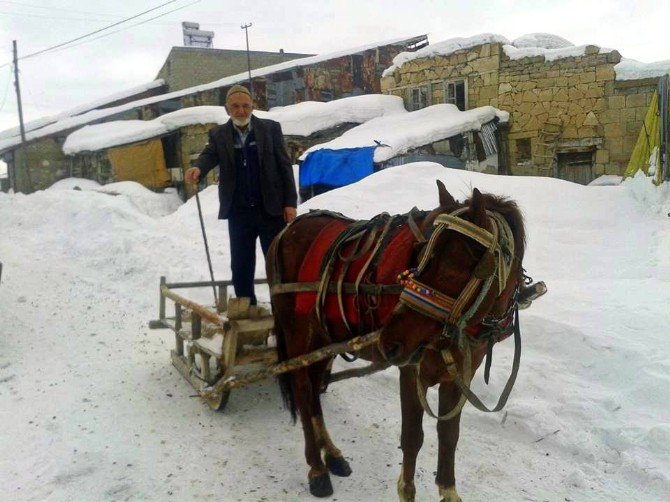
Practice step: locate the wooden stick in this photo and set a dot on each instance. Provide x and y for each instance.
(353, 345)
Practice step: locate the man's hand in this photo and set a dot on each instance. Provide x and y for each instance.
(192, 175)
(289, 214)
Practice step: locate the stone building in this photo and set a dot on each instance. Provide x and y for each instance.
(572, 115)
(189, 66)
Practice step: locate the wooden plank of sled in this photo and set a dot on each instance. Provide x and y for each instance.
(252, 324)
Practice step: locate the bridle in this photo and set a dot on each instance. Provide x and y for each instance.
(495, 263)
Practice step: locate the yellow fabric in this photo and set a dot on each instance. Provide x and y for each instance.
(648, 139)
(143, 163)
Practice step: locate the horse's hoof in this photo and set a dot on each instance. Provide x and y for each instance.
(320, 486)
(338, 466)
(449, 494)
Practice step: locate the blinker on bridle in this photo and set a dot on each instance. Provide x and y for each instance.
(496, 261)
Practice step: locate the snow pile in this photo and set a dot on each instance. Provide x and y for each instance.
(401, 132)
(587, 420)
(606, 180)
(301, 119)
(543, 40)
(630, 69)
(138, 196)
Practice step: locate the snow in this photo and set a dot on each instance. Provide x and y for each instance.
(544, 40)
(401, 132)
(139, 197)
(308, 117)
(607, 180)
(301, 119)
(91, 408)
(630, 69)
(120, 132)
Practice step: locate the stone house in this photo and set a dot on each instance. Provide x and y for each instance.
(572, 115)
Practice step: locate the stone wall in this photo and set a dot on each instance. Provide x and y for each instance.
(45, 161)
(478, 66)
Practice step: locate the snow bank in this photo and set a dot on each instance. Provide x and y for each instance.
(138, 196)
(401, 132)
(587, 420)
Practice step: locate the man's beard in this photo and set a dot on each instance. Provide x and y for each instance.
(241, 122)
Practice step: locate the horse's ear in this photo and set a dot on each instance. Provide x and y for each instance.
(477, 211)
(446, 200)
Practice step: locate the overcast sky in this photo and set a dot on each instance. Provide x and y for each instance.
(132, 55)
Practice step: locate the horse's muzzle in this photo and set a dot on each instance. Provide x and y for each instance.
(396, 353)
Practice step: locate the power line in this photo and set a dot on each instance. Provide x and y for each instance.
(28, 14)
(35, 6)
(125, 28)
(96, 31)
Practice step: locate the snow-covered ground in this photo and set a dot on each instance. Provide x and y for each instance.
(91, 408)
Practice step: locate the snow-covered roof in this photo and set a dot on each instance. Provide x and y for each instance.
(120, 132)
(550, 46)
(444, 48)
(71, 122)
(39, 123)
(301, 119)
(402, 132)
(630, 69)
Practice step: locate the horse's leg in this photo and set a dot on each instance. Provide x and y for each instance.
(319, 479)
(333, 456)
(411, 436)
(447, 434)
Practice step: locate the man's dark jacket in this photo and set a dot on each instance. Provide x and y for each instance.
(277, 185)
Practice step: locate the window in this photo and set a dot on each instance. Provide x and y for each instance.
(454, 93)
(418, 98)
(523, 151)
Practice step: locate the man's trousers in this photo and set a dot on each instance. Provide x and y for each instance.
(245, 226)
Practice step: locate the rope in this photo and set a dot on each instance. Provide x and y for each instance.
(209, 259)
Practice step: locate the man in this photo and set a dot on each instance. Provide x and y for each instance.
(257, 192)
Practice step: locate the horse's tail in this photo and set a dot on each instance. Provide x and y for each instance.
(286, 378)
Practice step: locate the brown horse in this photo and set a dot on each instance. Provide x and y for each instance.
(412, 338)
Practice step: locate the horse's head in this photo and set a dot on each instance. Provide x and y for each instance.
(470, 267)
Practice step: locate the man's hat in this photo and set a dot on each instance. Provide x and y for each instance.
(237, 89)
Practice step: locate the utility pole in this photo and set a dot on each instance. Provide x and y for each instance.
(24, 151)
(246, 27)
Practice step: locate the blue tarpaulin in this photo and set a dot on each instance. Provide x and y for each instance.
(336, 168)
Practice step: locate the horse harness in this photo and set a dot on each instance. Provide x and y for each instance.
(496, 263)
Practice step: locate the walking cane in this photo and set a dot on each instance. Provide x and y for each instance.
(209, 259)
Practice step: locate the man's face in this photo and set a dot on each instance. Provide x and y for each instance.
(239, 107)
